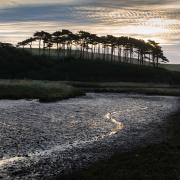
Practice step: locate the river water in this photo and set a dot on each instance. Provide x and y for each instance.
(39, 140)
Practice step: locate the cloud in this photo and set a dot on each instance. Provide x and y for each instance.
(101, 3)
(126, 3)
(16, 3)
(148, 19)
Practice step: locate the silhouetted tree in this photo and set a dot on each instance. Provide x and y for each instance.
(91, 46)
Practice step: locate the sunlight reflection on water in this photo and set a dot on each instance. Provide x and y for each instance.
(7, 161)
(32, 132)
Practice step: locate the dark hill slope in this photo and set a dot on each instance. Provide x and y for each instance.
(19, 64)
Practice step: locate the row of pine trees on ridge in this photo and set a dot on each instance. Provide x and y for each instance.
(90, 46)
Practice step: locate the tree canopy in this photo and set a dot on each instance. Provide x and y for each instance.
(85, 45)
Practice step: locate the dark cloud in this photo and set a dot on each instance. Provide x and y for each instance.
(43, 13)
(84, 14)
(39, 13)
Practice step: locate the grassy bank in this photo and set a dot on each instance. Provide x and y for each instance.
(45, 91)
(127, 87)
(157, 162)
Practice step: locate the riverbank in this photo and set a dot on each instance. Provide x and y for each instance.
(45, 91)
(128, 87)
(158, 161)
(50, 91)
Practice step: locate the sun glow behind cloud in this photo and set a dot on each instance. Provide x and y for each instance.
(157, 19)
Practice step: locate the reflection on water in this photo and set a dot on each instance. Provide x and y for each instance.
(33, 134)
(7, 161)
(119, 125)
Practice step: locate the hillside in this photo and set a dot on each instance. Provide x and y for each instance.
(18, 64)
(171, 67)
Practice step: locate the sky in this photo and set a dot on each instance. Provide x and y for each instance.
(158, 20)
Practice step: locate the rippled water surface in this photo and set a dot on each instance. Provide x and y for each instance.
(38, 140)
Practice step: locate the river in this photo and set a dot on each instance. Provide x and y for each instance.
(39, 140)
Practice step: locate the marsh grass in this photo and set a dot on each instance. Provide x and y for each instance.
(129, 87)
(45, 91)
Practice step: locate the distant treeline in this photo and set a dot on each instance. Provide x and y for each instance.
(18, 64)
(90, 46)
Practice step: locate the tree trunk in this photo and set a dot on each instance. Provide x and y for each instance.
(57, 44)
(112, 52)
(40, 47)
(157, 62)
(49, 51)
(119, 54)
